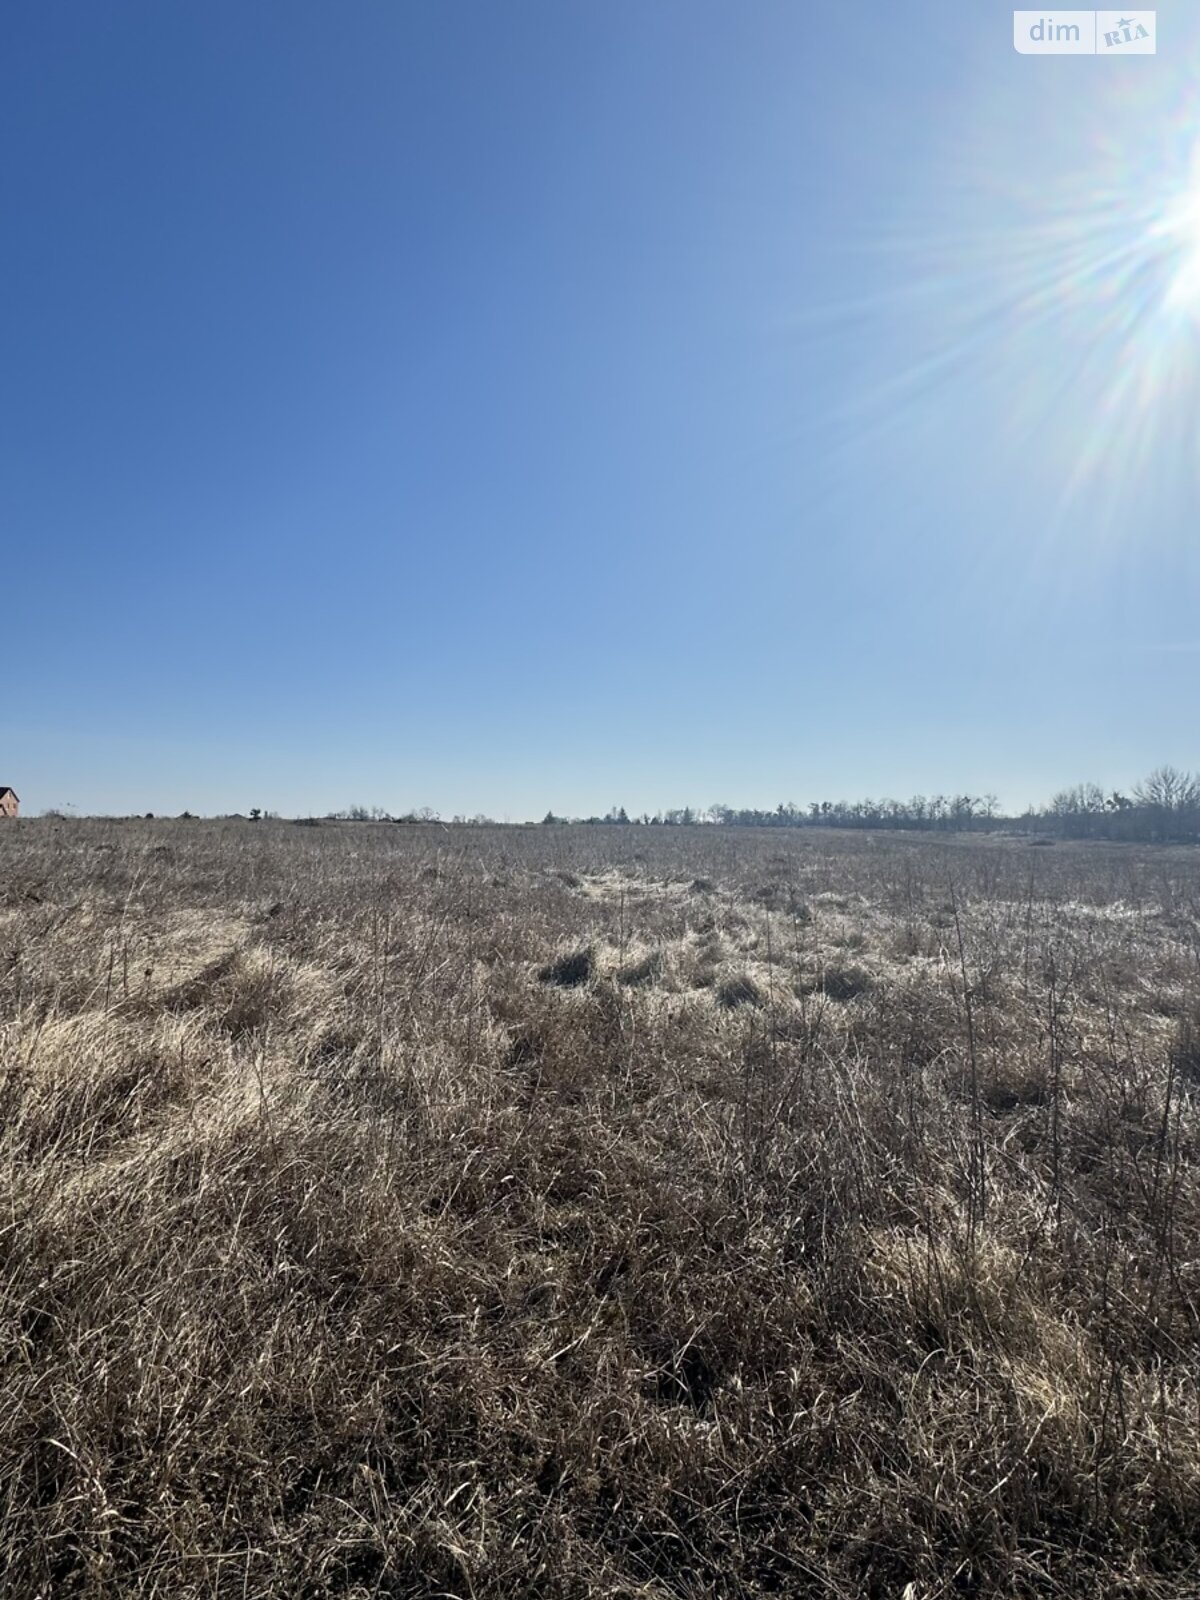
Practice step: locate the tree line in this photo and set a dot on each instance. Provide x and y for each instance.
(1163, 808)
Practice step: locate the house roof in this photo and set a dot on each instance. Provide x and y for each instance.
(6, 789)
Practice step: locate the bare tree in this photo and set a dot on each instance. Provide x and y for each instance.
(1171, 801)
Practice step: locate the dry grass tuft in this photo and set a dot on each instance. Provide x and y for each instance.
(645, 969)
(845, 982)
(738, 989)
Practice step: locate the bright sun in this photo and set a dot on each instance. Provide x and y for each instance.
(1181, 230)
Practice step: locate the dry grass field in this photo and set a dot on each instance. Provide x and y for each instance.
(672, 1212)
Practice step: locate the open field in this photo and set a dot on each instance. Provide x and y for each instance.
(407, 1211)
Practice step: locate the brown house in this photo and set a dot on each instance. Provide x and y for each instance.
(10, 805)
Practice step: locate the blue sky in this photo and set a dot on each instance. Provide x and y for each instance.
(562, 405)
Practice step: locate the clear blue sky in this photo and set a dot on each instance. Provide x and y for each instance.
(502, 407)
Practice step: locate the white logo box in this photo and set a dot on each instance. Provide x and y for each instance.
(1084, 33)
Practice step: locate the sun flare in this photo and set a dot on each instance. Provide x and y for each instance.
(1180, 232)
(1047, 281)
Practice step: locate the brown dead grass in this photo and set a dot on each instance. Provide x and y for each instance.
(608, 1212)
